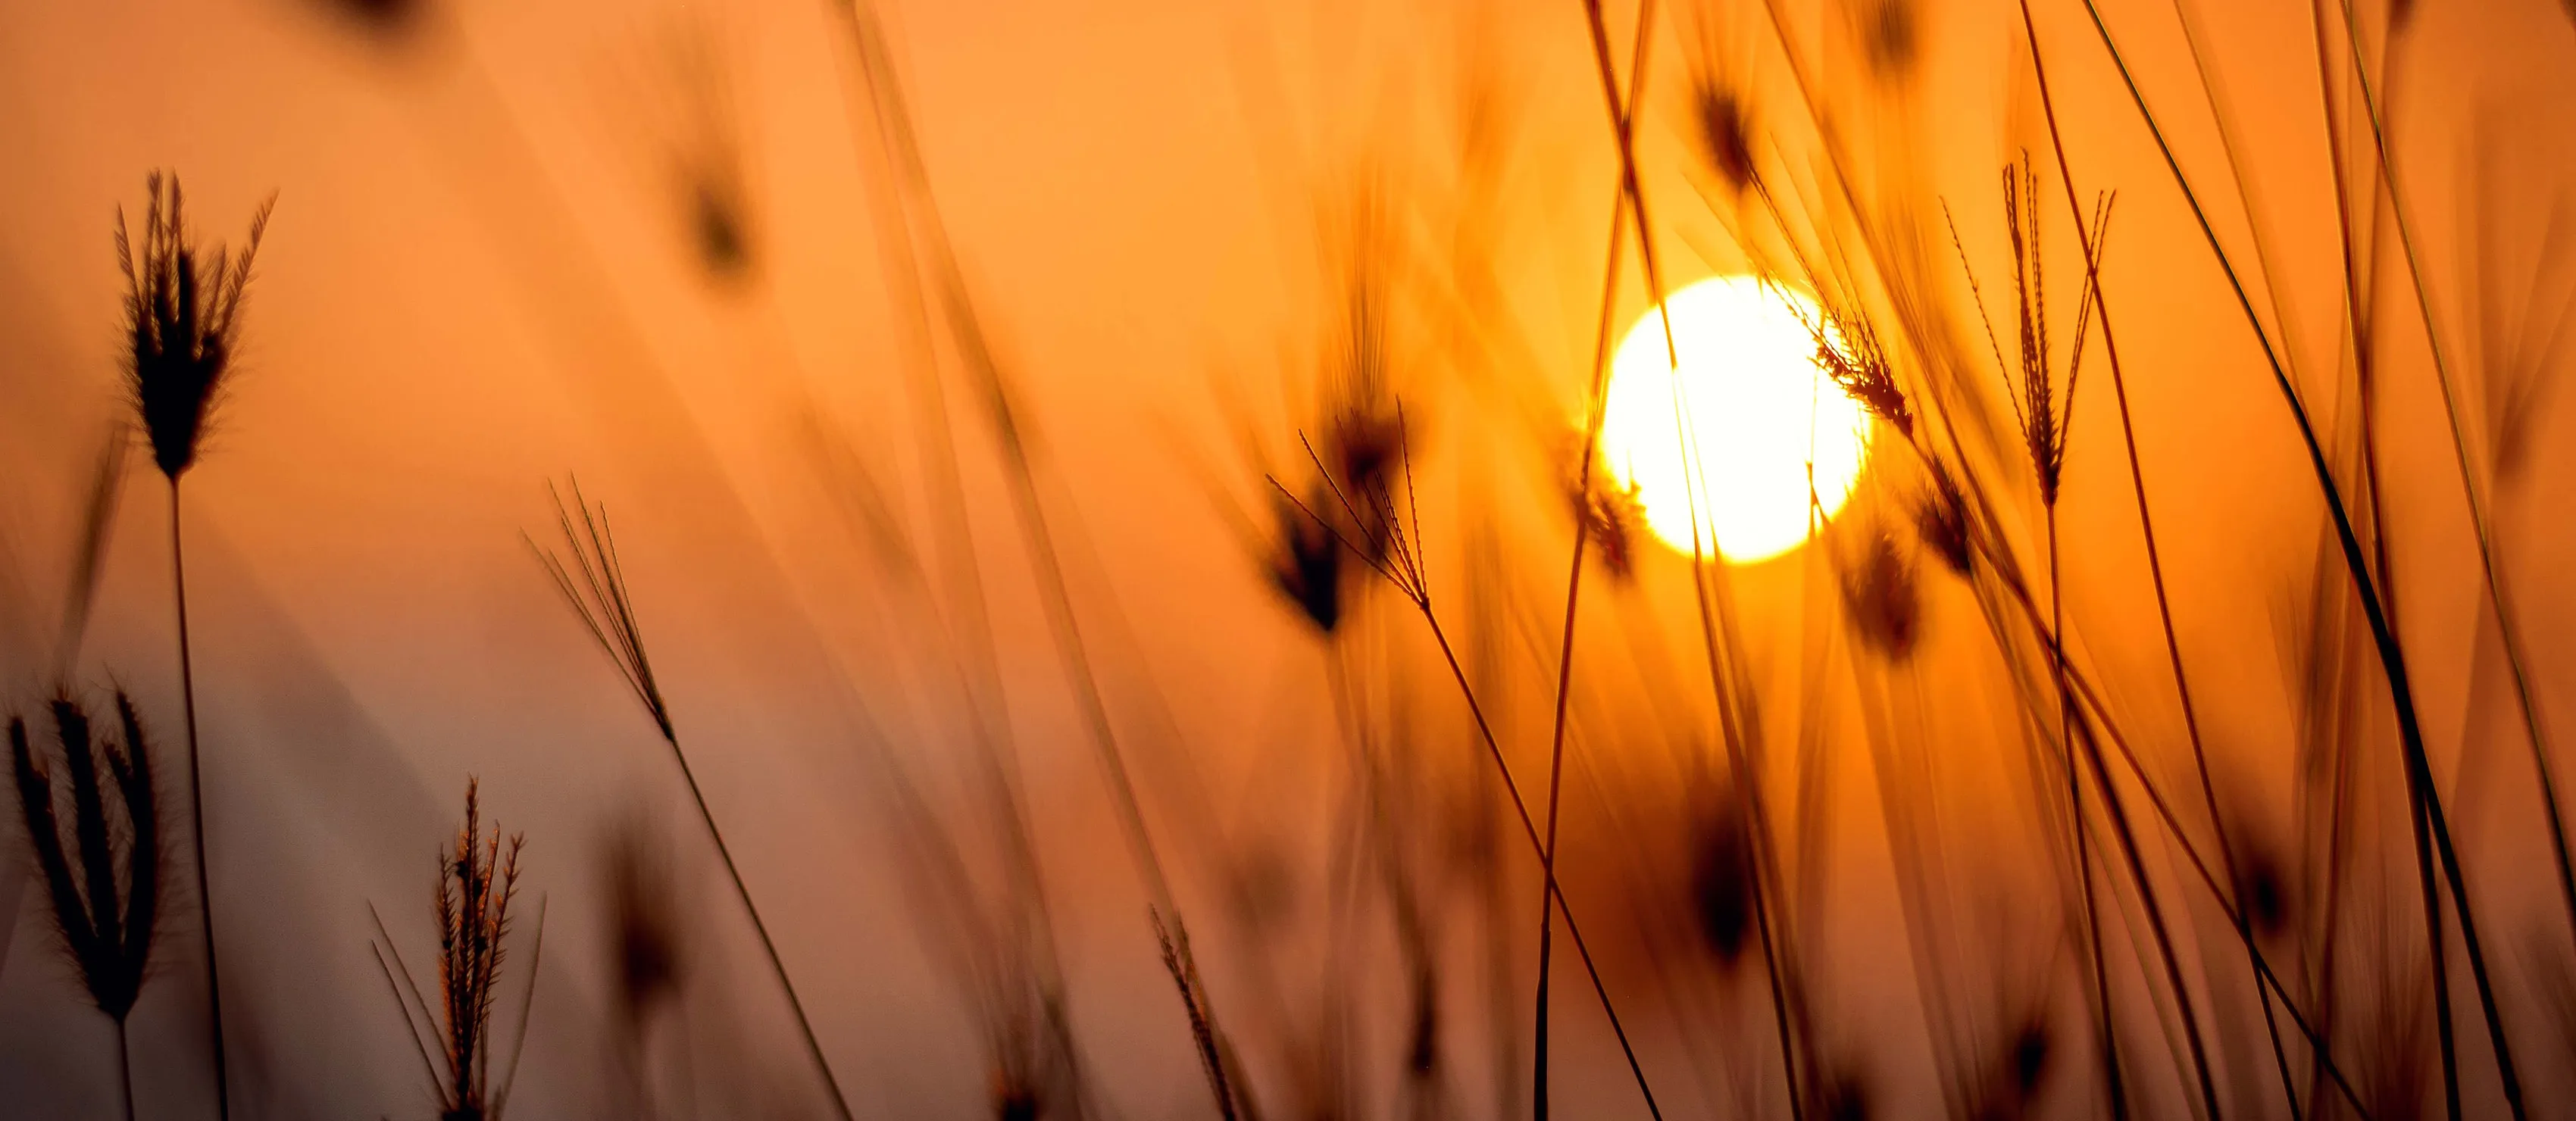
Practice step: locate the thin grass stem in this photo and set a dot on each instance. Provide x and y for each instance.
(2392, 657)
(594, 586)
(125, 1068)
(1622, 119)
(197, 815)
(2147, 529)
(2507, 626)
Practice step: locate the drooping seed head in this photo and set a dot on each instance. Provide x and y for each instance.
(1848, 351)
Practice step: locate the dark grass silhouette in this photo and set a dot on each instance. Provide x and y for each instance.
(478, 879)
(594, 586)
(182, 318)
(2366, 998)
(105, 887)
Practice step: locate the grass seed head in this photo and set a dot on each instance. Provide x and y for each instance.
(1724, 130)
(1848, 351)
(1891, 34)
(1880, 597)
(1941, 520)
(478, 879)
(1613, 513)
(2008, 1084)
(1722, 884)
(648, 937)
(1308, 566)
(1840, 1095)
(105, 889)
(182, 319)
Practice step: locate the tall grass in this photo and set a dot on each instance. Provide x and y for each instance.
(183, 318)
(2356, 1007)
(593, 584)
(105, 886)
(478, 879)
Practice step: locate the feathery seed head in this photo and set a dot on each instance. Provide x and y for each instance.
(1722, 884)
(2041, 407)
(478, 879)
(388, 21)
(182, 318)
(2027, 1061)
(2262, 880)
(594, 585)
(1941, 520)
(1840, 1095)
(1612, 513)
(1890, 36)
(105, 889)
(1308, 567)
(1848, 351)
(1013, 1101)
(1725, 130)
(1364, 434)
(648, 936)
(704, 153)
(2006, 1084)
(1879, 595)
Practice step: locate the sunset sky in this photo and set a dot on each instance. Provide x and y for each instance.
(485, 272)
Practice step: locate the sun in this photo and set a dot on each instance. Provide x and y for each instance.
(1740, 425)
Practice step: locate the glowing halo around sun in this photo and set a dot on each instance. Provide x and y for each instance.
(1758, 411)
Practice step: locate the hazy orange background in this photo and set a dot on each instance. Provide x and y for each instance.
(475, 282)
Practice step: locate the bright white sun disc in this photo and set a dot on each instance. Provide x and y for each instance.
(1722, 450)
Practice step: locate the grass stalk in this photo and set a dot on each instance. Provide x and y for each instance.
(1622, 121)
(125, 1070)
(2508, 628)
(2156, 579)
(2428, 815)
(1020, 455)
(1765, 864)
(1529, 829)
(197, 814)
(2106, 1019)
(599, 596)
(2099, 713)
(1402, 568)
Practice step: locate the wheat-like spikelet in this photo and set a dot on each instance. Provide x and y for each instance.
(478, 879)
(105, 888)
(182, 316)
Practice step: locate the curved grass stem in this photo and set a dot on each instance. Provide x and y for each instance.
(2428, 816)
(1622, 120)
(2498, 599)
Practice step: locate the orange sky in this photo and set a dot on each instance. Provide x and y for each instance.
(476, 281)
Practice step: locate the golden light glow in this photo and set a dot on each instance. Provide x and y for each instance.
(1737, 429)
